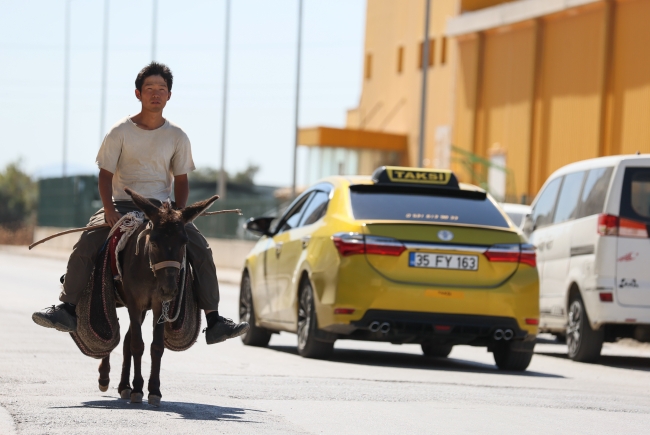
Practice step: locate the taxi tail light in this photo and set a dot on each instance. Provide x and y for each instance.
(514, 253)
(355, 243)
(609, 225)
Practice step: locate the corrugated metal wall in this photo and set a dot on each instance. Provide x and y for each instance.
(631, 79)
(506, 102)
(555, 90)
(570, 89)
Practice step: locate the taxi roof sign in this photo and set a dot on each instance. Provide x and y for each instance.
(402, 175)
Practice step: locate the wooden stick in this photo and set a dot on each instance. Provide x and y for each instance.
(62, 233)
(94, 227)
(211, 213)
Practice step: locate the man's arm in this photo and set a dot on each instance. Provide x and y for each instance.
(111, 216)
(181, 190)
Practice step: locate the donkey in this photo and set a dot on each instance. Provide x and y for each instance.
(141, 290)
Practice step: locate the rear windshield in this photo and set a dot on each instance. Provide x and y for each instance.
(635, 198)
(472, 209)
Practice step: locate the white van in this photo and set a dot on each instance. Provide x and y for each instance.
(590, 225)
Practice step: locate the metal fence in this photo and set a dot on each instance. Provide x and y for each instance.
(70, 201)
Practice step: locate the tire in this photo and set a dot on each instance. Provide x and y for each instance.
(583, 342)
(255, 336)
(507, 359)
(308, 345)
(436, 350)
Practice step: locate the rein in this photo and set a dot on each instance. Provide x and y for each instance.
(182, 267)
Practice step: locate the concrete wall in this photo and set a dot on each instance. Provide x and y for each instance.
(226, 253)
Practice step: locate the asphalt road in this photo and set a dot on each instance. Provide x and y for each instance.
(48, 387)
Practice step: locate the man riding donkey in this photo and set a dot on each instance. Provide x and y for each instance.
(145, 153)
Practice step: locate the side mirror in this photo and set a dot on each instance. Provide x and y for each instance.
(259, 226)
(527, 225)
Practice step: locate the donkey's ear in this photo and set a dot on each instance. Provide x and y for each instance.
(150, 210)
(193, 211)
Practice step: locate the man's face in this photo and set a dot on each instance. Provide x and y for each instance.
(154, 94)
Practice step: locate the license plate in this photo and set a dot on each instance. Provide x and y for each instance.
(443, 261)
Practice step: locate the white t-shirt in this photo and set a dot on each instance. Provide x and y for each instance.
(145, 160)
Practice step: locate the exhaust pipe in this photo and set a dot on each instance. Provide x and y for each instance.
(498, 334)
(508, 334)
(385, 327)
(374, 326)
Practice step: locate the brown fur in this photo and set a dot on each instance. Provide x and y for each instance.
(142, 291)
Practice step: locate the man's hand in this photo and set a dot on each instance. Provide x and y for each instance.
(111, 217)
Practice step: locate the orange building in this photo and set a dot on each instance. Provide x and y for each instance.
(516, 89)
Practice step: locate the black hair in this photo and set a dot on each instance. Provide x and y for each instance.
(154, 69)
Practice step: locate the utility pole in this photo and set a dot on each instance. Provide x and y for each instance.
(295, 139)
(154, 30)
(221, 191)
(66, 86)
(102, 109)
(425, 67)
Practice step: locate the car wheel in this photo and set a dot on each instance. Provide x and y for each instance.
(508, 359)
(255, 336)
(583, 342)
(436, 350)
(308, 345)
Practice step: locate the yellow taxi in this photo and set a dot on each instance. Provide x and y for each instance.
(404, 256)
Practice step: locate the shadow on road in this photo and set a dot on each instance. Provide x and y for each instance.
(411, 361)
(620, 362)
(185, 411)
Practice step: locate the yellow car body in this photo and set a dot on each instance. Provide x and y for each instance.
(376, 291)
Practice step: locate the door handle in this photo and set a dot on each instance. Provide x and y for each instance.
(278, 249)
(305, 241)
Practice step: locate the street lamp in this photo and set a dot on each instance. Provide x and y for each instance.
(102, 111)
(297, 108)
(425, 65)
(66, 86)
(222, 172)
(154, 29)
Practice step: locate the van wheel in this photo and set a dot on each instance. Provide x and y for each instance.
(436, 350)
(308, 345)
(584, 343)
(507, 359)
(255, 336)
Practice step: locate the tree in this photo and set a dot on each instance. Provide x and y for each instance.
(246, 177)
(18, 194)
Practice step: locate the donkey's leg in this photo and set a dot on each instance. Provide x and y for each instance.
(104, 371)
(137, 349)
(157, 349)
(125, 386)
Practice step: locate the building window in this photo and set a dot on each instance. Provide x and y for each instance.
(443, 50)
(432, 47)
(368, 66)
(400, 59)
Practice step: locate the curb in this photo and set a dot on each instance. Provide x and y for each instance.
(7, 424)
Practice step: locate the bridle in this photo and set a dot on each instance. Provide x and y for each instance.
(182, 267)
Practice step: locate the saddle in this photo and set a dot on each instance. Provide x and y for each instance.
(98, 328)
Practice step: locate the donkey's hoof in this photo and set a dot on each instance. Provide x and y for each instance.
(154, 400)
(125, 394)
(136, 397)
(103, 388)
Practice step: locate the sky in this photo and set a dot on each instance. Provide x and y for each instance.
(190, 39)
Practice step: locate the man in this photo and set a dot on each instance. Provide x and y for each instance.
(146, 153)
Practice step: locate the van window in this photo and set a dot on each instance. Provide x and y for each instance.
(567, 203)
(635, 198)
(592, 200)
(545, 205)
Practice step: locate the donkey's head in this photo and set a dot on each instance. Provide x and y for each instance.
(168, 238)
